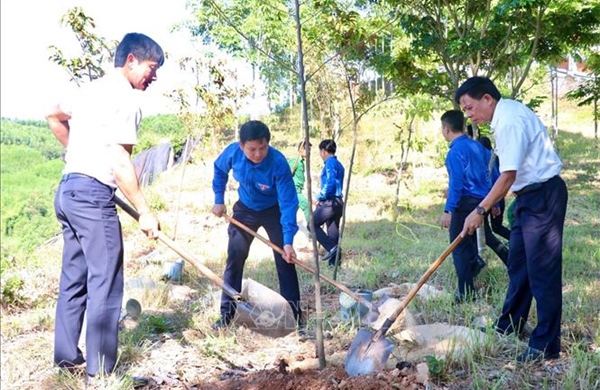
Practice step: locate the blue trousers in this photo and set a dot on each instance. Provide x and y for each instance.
(91, 280)
(328, 212)
(535, 265)
(238, 249)
(465, 253)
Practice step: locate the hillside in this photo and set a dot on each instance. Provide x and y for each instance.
(172, 346)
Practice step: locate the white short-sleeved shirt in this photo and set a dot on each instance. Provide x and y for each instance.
(105, 113)
(523, 144)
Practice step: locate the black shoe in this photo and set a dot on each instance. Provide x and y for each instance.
(221, 323)
(333, 258)
(535, 355)
(331, 254)
(477, 266)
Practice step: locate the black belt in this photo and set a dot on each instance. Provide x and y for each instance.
(532, 187)
(75, 175)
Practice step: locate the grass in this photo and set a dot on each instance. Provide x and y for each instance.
(384, 242)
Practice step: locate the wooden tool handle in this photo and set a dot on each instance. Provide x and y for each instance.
(302, 264)
(184, 253)
(413, 291)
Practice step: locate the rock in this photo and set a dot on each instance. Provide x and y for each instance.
(401, 290)
(386, 309)
(422, 373)
(439, 340)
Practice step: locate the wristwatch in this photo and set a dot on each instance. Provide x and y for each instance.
(481, 211)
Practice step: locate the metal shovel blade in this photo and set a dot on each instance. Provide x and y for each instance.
(133, 308)
(252, 311)
(367, 355)
(264, 310)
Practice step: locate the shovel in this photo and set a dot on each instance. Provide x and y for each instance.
(372, 314)
(369, 352)
(271, 318)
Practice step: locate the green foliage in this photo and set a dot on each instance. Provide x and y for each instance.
(11, 291)
(28, 183)
(588, 93)
(34, 135)
(437, 367)
(157, 129)
(157, 324)
(95, 51)
(449, 40)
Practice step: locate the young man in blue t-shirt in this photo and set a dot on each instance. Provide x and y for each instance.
(466, 162)
(267, 198)
(330, 204)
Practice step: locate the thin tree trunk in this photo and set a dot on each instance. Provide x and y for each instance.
(318, 305)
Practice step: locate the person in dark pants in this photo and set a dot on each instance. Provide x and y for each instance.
(491, 240)
(466, 163)
(329, 206)
(497, 214)
(99, 129)
(267, 198)
(529, 168)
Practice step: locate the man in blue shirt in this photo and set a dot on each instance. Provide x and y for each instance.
(330, 205)
(467, 165)
(267, 198)
(494, 219)
(497, 213)
(530, 168)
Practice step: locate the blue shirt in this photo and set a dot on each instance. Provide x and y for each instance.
(261, 185)
(332, 179)
(467, 165)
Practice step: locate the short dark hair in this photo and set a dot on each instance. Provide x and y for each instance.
(254, 130)
(455, 120)
(328, 145)
(485, 141)
(141, 46)
(475, 87)
(302, 145)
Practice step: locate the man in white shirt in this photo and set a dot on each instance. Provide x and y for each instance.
(529, 168)
(99, 129)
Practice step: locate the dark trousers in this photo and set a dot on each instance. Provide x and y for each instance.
(497, 223)
(239, 247)
(464, 255)
(494, 243)
(535, 265)
(328, 212)
(91, 279)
